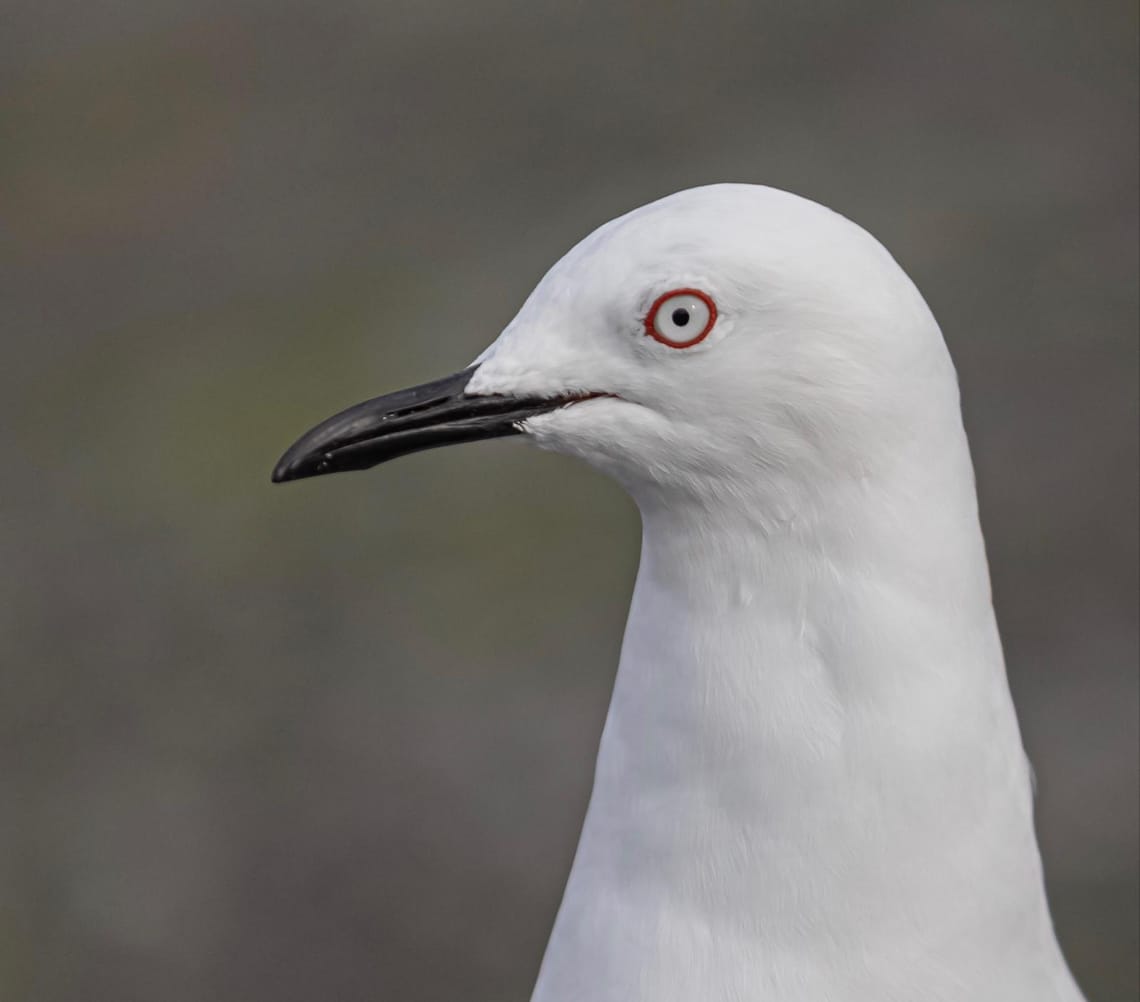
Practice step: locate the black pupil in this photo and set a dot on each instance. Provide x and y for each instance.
(680, 316)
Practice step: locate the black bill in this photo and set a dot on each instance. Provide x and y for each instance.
(411, 420)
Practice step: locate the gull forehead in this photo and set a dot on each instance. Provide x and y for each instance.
(766, 256)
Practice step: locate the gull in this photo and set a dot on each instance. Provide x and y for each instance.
(811, 786)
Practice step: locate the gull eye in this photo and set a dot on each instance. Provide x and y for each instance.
(681, 318)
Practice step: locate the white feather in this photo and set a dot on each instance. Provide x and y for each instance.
(811, 784)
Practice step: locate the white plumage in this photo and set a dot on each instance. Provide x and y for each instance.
(811, 784)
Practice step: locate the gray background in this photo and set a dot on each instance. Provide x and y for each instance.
(334, 740)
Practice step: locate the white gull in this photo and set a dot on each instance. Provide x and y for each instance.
(811, 784)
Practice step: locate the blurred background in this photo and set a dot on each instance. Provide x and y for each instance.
(334, 740)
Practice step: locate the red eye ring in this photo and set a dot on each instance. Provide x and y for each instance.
(651, 317)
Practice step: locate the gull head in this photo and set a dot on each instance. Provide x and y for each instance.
(716, 339)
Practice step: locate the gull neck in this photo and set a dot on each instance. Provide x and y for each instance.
(811, 782)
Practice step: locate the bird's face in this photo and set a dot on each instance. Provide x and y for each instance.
(716, 336)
